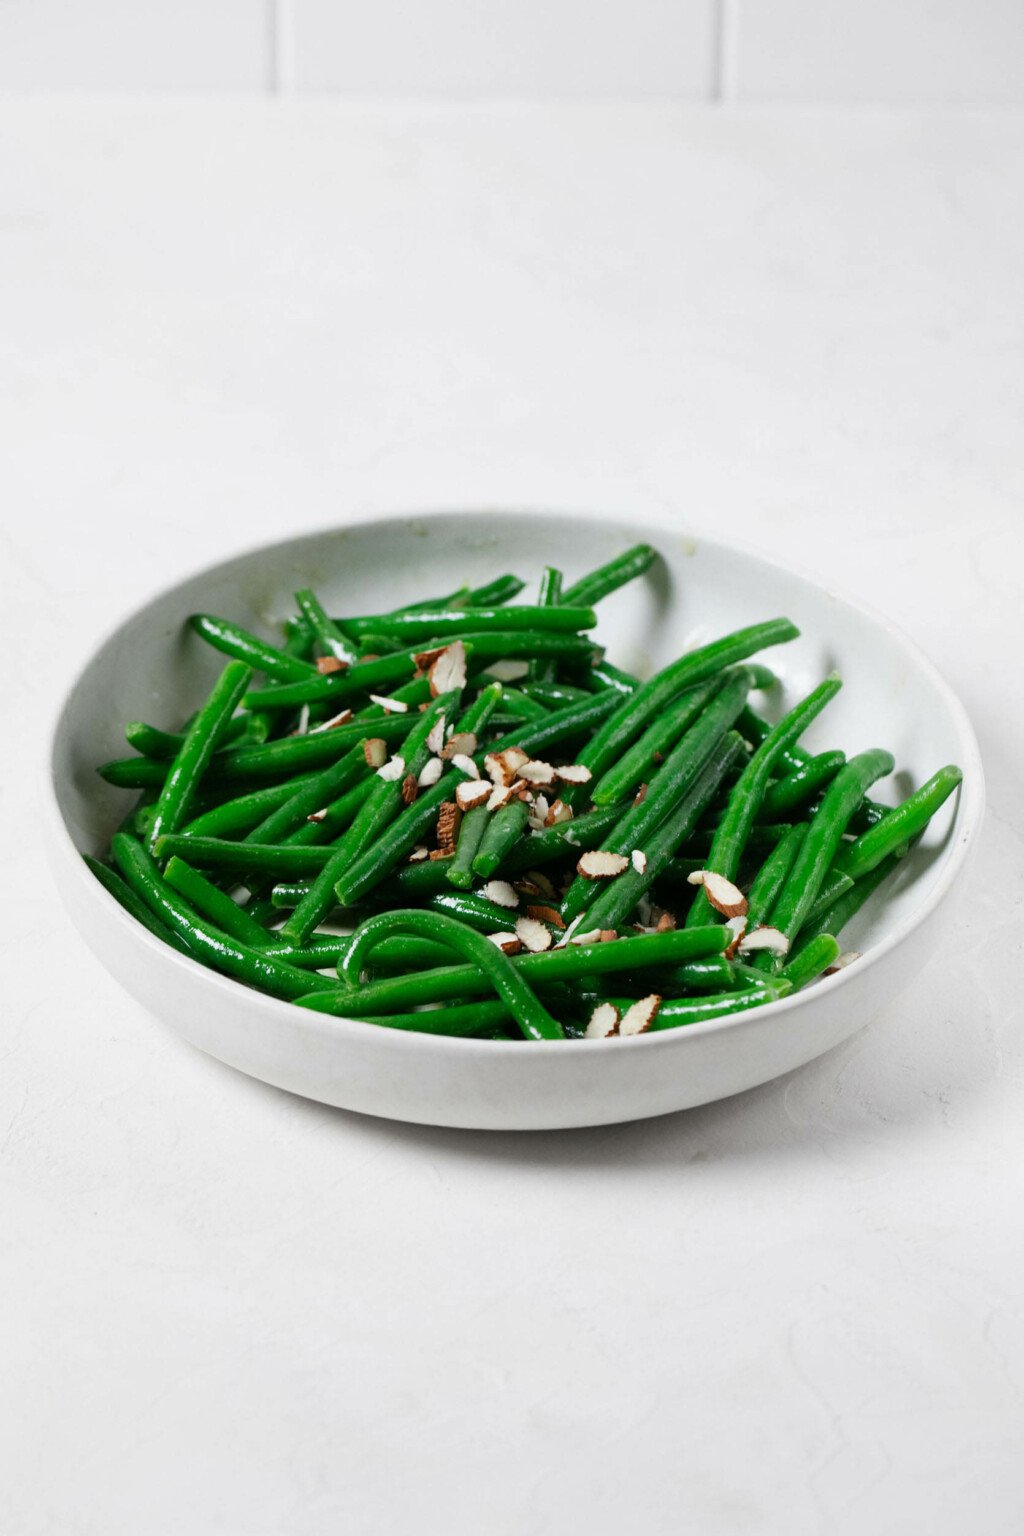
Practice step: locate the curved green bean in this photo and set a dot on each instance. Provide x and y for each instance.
(238, 643)
(810, 960)
(609, 577)
(186, 771)
(209, 901)
(904, 823)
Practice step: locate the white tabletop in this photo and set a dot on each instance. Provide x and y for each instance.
(231, 1311)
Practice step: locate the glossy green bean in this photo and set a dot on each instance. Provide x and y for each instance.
(193, 758)
(209, 901)
(520, 706)
(835, 918)
(238, 643)
(640, 760)
(462, 1019)
(246, 811)
(563, 725)
(554, 695)
(675, 1013)
(833, 886)
(548, 596)
(477, 911)
(574, 837)
(165, 745)
(756, 730)
(904, 823)
(788, 794)
(207, 942)
(134, 905)
(459, 870)
(613, 574)
(604, 675)
(504, 830)
(283, 861)
(771, 877)
(810, 960)
(288, 893)
(330, 637)
(733, 831)
(441, 622)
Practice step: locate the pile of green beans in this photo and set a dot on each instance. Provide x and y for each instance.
(459, 817)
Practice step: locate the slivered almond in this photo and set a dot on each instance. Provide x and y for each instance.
(604, 1021)
(638, 859)
(737, 926)
(435, 737)
(303, 725)
(341, 718)
(389, 706)
(574, 773)
(539, 812)
(534, 771)
(430, 772)
(592, 936)
(764, 937)
(598, 865)
(449, 821)
(503, 767)
(449, 669)
(546, 915)
(841, 962)
(567, 935)
(393, 769)
(318, 815)
(441, 853)
(532, 935)
(508, 943)
(410, 789)
(640, 1016)
(325, 665)
(376, 752)
(500, 892)
(471, 793)
(558, 812)
(463, 742)
(418, 855)
(722, 894)
(465, 765)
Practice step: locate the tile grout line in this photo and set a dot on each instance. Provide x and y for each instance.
(726, 55)
(282, 48)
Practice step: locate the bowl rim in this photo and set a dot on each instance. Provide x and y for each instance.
(968, 810)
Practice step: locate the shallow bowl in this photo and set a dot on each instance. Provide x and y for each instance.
(152, 667)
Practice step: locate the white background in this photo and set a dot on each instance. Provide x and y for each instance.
(229, 1312)
(884, 51)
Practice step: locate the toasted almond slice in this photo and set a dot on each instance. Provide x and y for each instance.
(441, 853)
(325, 665)
(318, 815)
(410, 789)
(500, 795)
(500, 892)
(508, 943)
(341, 718)
(541, 884)
(425, 659)
(393, 769)
(532, 935)
(638, 859)
(418, 855)
(737, 926)
(466, 765)
(449, 669)
(640, 1016)
(609, 935)
(722, 894)
(463, 742)
(376, 752)
(604, 1021)
(841, 962)
(764, 937)
(574, 773)
(508, 671)
(545, 914)
(534, 771)
(449, 820)
(471, 793)
(430, 772)
(503, 767)
(558, 812)
(666, 922)
(641, 795)
(539, 812)
(435, 737)
(599, 865)
(389, 706)
(592, 936)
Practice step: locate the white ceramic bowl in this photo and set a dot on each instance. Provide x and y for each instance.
(153, 668)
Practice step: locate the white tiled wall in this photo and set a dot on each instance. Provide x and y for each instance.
(887, 51)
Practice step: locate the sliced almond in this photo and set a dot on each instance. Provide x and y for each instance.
(376, 752)
(503, 767)
(558, 812)
(574, 773)
(737, 926)
(638, 859)
(463, 742)
(500, 795)
(418, 855)
(640, 1016)
(722, 894)
(325, 665)
(532, 935)
(568, 934)
(466, 765)
(534, 771)
(449, 669)
(541, 884)
(608, 935)
(545, 914)
(410, 789)
(764, 937)
(599, 865)
(389, 706)
(430, 772)
(318, 815)
(425, 659)
(666, 922)
(449, 820)
(341, 718)
(841, 962)
(393, 769)
(604, 1021)
(508, 943)
(471, 793)
(441, 853)
(303, 725)
(539, 812)
(508, 671)
(500, 892)
(592, 936)
(435, 737)
(641, 795)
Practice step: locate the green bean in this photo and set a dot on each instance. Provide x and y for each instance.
(405, 952)
(554, 695)
(833, 886)
(283, 860)
(548, 596)
(504, 830)
(571, 963)
(907, 821)
(502, 590)
(672, 780)
(463, 1019)
(313, 750)
(810, 960)
(537, 736)
(733, 832)
(757, 730)
(165, 745)
(771, 877)
(761, 678)
(245, 811)
(676, 1012)
(577, 836)
(608, 578)
(375, 676)
(440, 622)
(213, 903)
(331, 639)
(835, 918)
(799, 786)
(640, 760)
(520, 706)
(716, 973)
(496, 969)
(459, 870)
(477, 911)
(316, 954)
(762, 838)
(617, 898)
(604, 675)
(288, 893)
(824, 836)
(206, 941)
(134, 905)
(186, 771)
(237, 642)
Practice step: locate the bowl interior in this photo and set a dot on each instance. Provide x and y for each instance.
(154, 668)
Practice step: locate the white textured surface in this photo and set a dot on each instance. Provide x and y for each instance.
(231, 1311)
